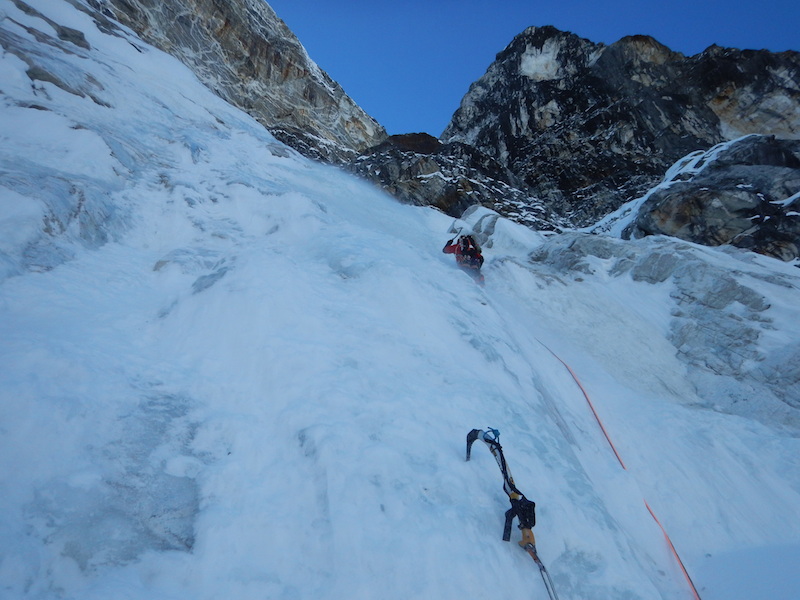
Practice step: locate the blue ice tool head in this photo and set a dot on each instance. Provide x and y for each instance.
(489, 436)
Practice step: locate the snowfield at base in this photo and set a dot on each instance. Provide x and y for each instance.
(229, 372)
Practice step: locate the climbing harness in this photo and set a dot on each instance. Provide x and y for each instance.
(521, 507)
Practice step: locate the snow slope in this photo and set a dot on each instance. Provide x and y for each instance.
(229, 372)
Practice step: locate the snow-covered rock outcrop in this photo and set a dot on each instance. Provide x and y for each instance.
(744, 193)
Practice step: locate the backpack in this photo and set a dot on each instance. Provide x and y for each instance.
(469, 246)
(471, 249)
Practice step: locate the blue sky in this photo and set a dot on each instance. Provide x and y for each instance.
(409, 63)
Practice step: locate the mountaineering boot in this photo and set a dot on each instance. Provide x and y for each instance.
(527, 538)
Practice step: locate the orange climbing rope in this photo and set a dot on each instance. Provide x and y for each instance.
(619, 458)
(591, 406)
(674, 552)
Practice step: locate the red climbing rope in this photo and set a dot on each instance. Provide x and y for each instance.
(674, 552)
(619, 458)
(594, 412)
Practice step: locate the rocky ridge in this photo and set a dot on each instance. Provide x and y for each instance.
(589, 127)
(419, 169)
(248, 56)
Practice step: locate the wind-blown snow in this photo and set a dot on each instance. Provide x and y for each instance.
(230, 372)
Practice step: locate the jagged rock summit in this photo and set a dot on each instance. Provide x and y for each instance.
(589, 126)
(248, 56)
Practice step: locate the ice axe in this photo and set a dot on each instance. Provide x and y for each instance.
(521, 507)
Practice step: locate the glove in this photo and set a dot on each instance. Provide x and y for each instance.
(526, 512)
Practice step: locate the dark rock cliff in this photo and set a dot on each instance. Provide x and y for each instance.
(589, 127)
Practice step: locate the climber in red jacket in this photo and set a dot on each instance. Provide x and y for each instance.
(468, 255)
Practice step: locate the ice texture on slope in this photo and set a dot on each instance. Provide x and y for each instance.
(230, 372)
